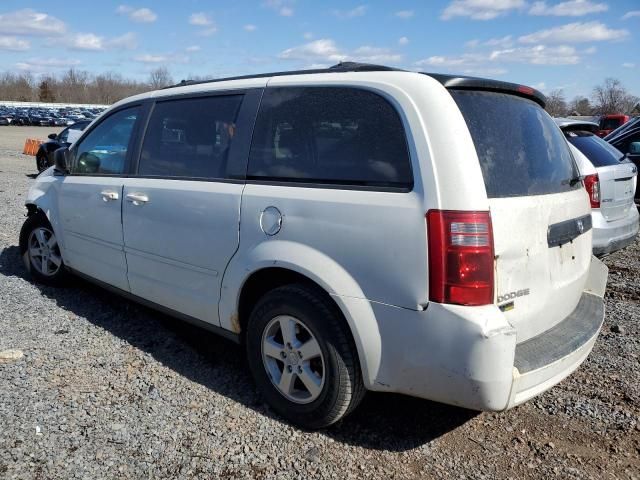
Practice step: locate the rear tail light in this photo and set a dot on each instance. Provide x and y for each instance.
(592, 184)
(460, 257)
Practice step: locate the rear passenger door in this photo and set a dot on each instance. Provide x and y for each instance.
(181, 210)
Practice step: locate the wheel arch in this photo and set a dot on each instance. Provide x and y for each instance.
(242, 288)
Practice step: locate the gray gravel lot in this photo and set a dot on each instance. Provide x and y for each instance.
(109, 389)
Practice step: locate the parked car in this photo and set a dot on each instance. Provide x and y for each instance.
(609, 123)
(44, 156)
(611, 185)
(627, 140)
(355, 228)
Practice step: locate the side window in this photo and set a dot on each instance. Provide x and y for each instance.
(62, 136)
(190, 138)
(329, 135)
(104, 150)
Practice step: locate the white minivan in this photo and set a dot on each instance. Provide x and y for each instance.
(355, 228)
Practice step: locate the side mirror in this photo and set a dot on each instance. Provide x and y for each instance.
(52, 136)
(60, 161)
(634, 148)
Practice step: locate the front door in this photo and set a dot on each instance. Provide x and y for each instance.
(181, 211)
(90, 200)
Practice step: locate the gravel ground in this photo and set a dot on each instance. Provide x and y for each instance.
(109, 389)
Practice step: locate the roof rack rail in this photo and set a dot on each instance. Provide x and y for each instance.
(340, 67)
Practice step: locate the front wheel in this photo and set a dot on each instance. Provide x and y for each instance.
(302, 357)
(41, 252)
(42, 163)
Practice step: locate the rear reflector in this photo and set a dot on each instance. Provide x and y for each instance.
(460, 257)
(592, 184)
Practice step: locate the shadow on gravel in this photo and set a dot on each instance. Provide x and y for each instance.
(31, 175)
(383, 421)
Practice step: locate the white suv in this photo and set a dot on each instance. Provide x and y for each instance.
(356, 228)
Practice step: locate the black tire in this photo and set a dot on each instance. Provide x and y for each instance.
(343, 388)
(42, 162)
(32, 223)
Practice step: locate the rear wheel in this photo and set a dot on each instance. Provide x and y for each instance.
(302, 357)
(41, 251)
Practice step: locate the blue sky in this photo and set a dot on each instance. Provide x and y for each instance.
(571, 44)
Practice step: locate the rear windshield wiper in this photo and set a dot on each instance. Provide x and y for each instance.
(573, 180)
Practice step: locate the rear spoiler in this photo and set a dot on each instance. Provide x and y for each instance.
(455, 82)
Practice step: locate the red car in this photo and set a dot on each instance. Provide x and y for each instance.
(608, 123)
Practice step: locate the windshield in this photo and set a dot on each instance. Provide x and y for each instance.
(599, 152)
(521, 150)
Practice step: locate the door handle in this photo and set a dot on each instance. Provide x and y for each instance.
(109, 195)
(137, 198)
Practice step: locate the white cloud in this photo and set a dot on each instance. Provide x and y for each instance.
(41, 65)
(534, 55)
(307, 35)
(575, 33)
(14, 44)
(631, 14)
(318, 50)
(538, 55)
(628, 65)
(28, 22)
(466, 59)
(207, 32)
(200, 19)
(569, 8)
(368, 54)
(161, 58)
(326, 51)
(403, 41)
(193, 48)
(358, 11)
(503, 42)
(138, 15)
(283, 7)
(250, 27)
(481, 9)
(93, 42)
(404, 14)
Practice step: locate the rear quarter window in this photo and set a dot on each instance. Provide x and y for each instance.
(329, 136)
(521, 150)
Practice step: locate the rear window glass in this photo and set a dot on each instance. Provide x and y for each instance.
(329, 135)
(521, 150)
(610, 123)
(599, 152)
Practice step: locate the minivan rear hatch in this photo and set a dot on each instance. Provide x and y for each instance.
(539, 209)
(617, 177)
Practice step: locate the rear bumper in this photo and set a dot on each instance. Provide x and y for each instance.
(469, 356)
(611, 236)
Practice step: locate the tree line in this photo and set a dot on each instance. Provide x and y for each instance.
(77, 86)
(609, 97)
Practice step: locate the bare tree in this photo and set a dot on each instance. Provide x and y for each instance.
(556, 103)
(613, 97)
(160, 78)
(580, 106)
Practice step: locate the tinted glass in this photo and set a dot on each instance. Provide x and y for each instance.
(190, 138)
(610, 123)
(599, 152)
(329, 135)
(104, 150)
(521, 150)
